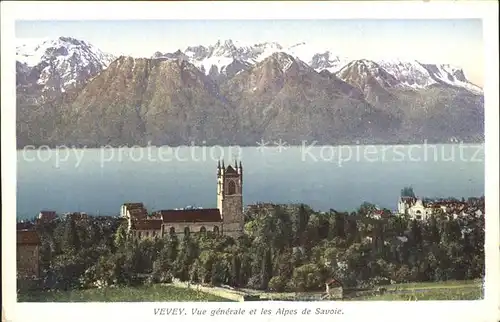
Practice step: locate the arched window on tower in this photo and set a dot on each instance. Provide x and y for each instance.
(216, 230)
(231, 188)
(172, 230)
(203, 229)
(186, 231)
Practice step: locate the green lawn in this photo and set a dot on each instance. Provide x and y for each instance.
(446, 284)
(449, 290)
(154, 293)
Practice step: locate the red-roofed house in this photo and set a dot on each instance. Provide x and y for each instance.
(334, 289)
(46, 215)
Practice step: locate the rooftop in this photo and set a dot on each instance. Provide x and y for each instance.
(133, 205)
(28, 237)
(190, 215)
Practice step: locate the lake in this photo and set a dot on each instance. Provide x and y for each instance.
(98, 181)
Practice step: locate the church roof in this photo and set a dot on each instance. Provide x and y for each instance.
(231, 170)
(134, 205)
(138, 213)
(28, 237)
(191, 215)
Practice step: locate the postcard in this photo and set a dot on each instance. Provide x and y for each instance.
(190, 161)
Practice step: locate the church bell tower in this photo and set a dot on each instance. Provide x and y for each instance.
(230, 198)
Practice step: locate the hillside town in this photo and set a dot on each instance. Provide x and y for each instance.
(135, 226)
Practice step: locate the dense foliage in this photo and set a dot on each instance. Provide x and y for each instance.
(284, 248)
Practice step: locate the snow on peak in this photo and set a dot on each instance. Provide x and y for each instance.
(61, 62)
(33, 51)
(327, 61)
(409, 73)
(302, 51)
(284, 60)
(217, 57)
(451, 75)
(361, 69)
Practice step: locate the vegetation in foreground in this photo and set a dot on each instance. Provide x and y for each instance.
(285, 248)
(449, 290)
(151, 293)
(431, 291)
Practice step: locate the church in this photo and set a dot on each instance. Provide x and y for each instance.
(226, 219)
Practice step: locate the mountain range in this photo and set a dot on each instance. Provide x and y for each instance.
(70, 92)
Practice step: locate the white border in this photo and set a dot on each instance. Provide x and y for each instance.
(486, 310)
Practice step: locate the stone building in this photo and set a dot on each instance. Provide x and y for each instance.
(230, 198)
(28, 254)
(130, 207)
(227, 218)
(133, 211)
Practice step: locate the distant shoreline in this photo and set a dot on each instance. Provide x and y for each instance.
(270, 144)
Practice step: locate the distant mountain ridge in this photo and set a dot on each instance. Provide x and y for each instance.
(214, 60)
(70, 92)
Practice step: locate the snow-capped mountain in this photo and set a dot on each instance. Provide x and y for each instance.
(268, 91)
(363, 73)
(62, 63)
(56, 65)
(225, 58)
(451, 75)
(229, 57)
(327, 61)
(418, 75)
(409, 73)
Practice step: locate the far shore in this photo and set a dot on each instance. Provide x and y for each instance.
(75, 146)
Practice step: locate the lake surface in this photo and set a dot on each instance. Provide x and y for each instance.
(98, 181)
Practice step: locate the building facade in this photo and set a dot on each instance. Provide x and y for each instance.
(28, 254)
(226, 219)
(414, 207)
(230, 198)
(46, 216)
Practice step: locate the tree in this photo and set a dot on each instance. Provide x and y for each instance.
(308, 277)
(277, 283)
(121, 236)
(301, 224)
(71, 241)
(266, 269)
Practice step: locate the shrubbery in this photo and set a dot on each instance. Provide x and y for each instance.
(287, 248)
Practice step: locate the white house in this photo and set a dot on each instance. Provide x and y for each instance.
(414, 207)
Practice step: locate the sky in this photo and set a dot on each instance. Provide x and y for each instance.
(453, 41)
